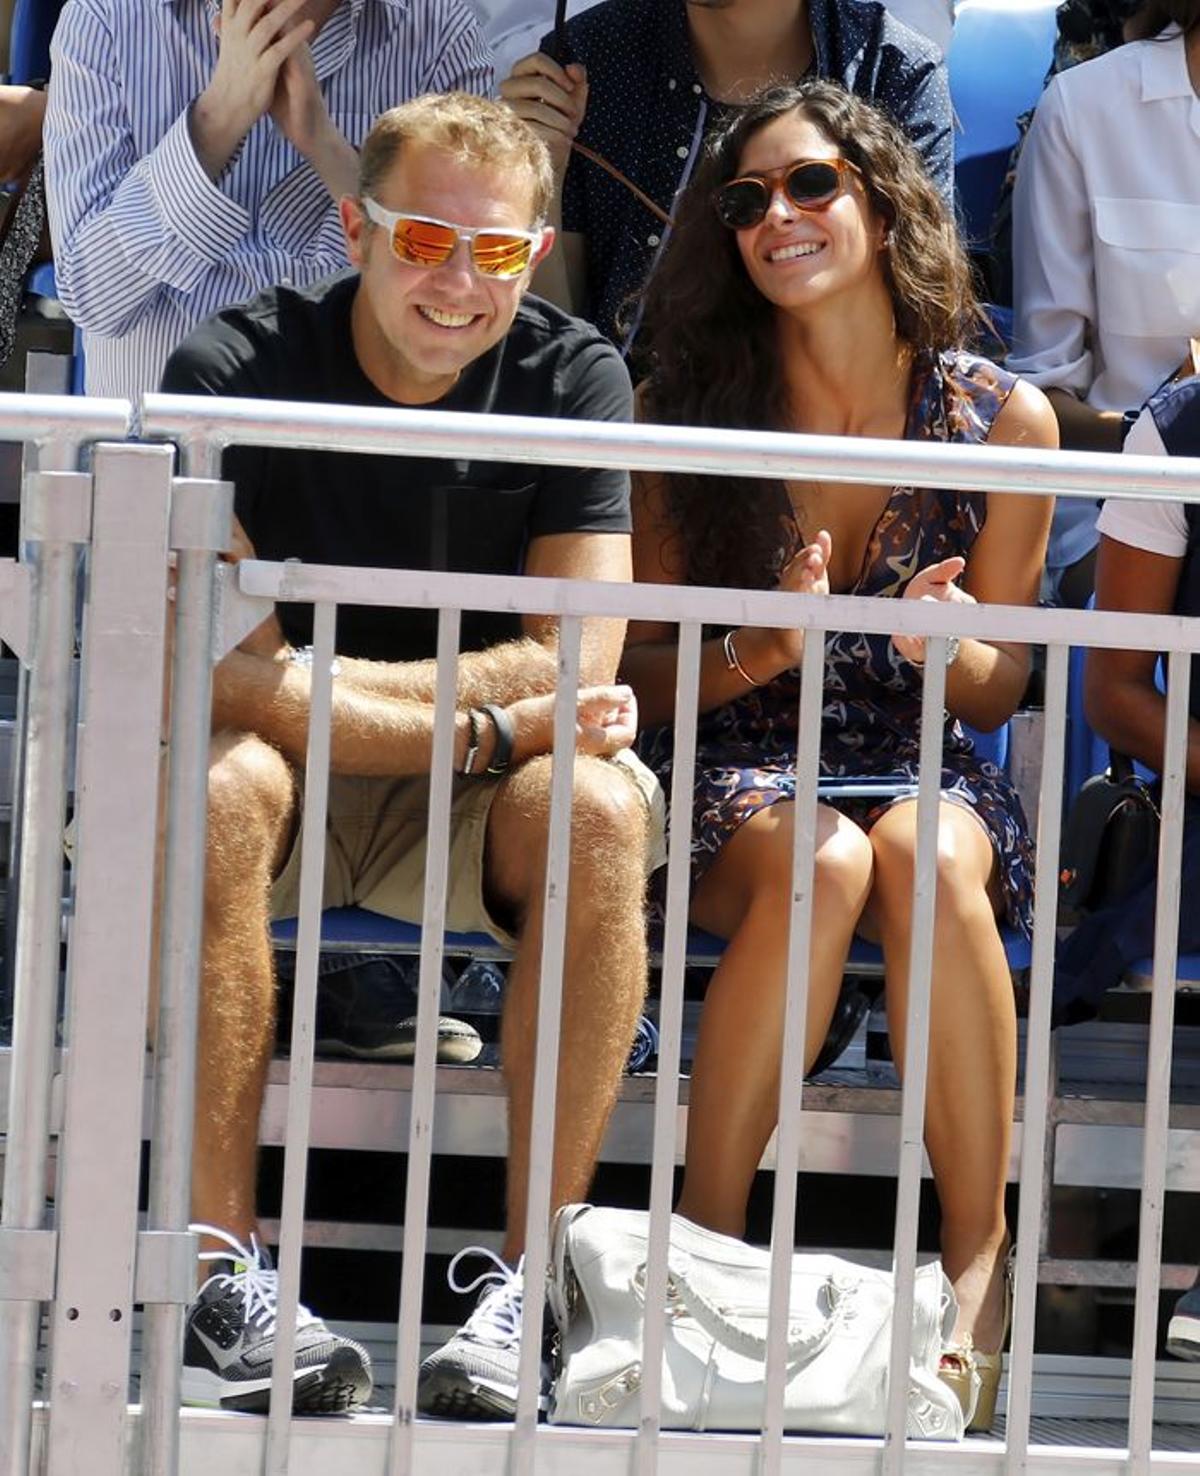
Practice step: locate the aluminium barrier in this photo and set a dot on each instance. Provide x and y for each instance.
(96, 1263)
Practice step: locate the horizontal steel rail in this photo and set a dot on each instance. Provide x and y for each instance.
(193, 420)
(1107, 629)
(39, 419)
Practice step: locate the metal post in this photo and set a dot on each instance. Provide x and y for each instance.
(420, 1123)
(109, 960)
(916, 1051)
(200, 525)
(300, 1075)
(787, 1143)
(1035, 1185)
(56, 519)
(545, 1068)
(666, 1086)
(1158, 1065)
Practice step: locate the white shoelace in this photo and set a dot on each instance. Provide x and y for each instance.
(257, 1282)
(497, 1318)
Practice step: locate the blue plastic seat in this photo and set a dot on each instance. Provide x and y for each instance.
(33, 23)
(354, 928)
(998, 60)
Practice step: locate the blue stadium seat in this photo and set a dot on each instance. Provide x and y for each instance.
(997, 61)
(33, 24)
(42, 284)
(356, 929)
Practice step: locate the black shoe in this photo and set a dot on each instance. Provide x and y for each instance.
(366, 1010)
(229, 1342)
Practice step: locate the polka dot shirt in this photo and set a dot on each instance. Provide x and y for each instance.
(648, 115)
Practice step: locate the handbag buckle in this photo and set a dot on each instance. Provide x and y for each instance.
(597, 1402)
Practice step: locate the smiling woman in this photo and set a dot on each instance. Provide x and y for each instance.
(834, 298)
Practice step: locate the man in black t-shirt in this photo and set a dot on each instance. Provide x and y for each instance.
(444, 234)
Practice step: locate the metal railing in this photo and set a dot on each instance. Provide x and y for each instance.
(104, 1265)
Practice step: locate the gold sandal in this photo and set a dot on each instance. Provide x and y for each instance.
(974, 1376)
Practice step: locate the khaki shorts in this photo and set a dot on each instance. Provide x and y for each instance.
(375, 848)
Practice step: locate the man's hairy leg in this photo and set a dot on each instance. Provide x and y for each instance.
(604, 971)
(251, 806)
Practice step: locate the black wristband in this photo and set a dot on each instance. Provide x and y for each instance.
(505, 738)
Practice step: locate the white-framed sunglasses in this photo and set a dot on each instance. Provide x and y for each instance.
(420, 240)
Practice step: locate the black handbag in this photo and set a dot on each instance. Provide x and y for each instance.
(1111, 834)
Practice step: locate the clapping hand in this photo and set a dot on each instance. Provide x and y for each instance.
(806, 572)
(934, 582)
(298, 109)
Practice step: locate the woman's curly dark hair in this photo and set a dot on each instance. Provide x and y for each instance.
(708, 345)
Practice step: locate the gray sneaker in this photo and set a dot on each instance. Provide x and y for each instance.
(229, 1342)
(474, 1375)
(1183, 1331)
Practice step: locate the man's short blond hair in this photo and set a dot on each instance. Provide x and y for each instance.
(473, 130)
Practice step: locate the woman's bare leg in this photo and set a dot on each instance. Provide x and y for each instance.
(746, 898)
(972, 1046)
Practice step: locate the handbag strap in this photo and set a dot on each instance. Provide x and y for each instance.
(804, 1341)
(1120, 766)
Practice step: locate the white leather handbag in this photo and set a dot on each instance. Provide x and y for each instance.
(714, 1355)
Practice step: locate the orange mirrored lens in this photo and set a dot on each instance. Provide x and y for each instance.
(498, 255)
(423, 243)
(427, 244)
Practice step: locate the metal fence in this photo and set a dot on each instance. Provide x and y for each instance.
(95, 1262)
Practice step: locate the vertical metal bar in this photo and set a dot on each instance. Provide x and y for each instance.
(180, 944)
(791, 1082)
(545, 1072)
(43, 799)
(1037, 1064)
(420, 1127)
(1158, 1066)
(110, 959)
(300, 1072)
(670, 1039)
(916, 1050)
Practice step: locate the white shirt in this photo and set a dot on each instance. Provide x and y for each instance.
(515, 27)
(1106, 237)
(1156, 527)
(145, 244)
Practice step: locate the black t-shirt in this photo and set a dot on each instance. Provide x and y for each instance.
(329, 507)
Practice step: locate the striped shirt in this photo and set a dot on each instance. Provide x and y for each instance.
(145, 244)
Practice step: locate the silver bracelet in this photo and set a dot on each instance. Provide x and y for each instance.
(732, 662)
(952, 647)
(302, 656)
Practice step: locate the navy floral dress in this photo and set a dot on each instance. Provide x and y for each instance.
(746, 750)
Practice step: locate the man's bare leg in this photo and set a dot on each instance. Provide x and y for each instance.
(604, 968)
(251, 805)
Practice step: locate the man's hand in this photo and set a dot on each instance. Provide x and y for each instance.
(21, 112)
(257, 37)
(297, 108)
(934, 582)
(551, 99)
(605, 722)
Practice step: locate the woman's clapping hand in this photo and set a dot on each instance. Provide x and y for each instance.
(934, 582)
